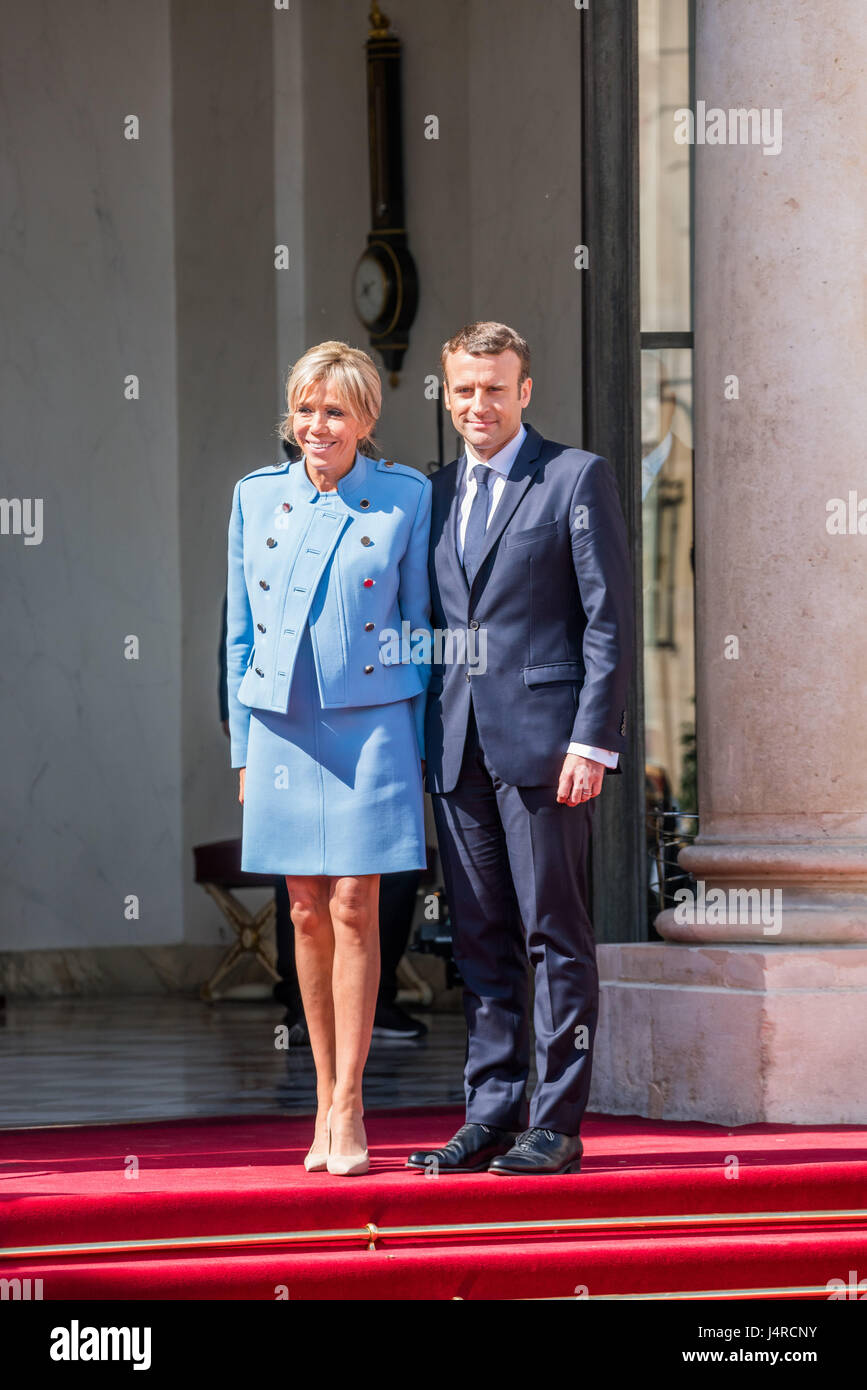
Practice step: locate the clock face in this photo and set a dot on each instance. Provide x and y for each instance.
(369, 289)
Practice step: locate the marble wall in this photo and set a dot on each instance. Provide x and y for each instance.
(524, 189)
(226, 323)
(493, 204)
(337, 196)
(92, 802)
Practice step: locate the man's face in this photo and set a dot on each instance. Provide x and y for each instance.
(484, 398)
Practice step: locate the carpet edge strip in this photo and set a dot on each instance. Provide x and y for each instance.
(370, 1234)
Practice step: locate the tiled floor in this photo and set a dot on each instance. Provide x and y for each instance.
(85, 1060)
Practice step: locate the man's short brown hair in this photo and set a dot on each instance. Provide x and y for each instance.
(489, 339)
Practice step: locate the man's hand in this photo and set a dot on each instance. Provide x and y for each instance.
(580, 779)
(241, 772)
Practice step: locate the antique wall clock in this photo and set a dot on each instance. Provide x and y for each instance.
(385, 282)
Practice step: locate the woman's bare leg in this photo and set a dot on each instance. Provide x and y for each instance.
(354, 908)
(314, 964)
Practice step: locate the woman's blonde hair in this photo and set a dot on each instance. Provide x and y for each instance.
(354, 378)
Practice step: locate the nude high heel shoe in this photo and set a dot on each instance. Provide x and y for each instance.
(346, 1165)
(316, 1160)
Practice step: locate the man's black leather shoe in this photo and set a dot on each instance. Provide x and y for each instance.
(541, 1151)
(469, 1151)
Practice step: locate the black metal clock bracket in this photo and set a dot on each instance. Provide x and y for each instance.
(385, 281)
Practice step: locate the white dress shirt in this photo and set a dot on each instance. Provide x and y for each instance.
(501, 464)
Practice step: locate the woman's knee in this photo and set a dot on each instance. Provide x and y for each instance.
(354, 905)
(308, 904)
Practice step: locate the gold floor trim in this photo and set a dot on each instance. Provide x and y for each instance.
(784, 1291)
(370, 1234)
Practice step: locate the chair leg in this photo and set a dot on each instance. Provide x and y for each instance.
(249, 930)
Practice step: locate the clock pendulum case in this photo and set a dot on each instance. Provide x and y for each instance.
(385, 282)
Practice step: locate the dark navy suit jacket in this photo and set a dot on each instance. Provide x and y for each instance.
(554, 594)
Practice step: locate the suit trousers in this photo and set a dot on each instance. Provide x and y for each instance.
(515, 868)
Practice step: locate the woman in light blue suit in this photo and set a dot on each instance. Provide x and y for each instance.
(327, 569)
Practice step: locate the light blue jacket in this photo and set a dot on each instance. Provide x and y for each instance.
(292, 559)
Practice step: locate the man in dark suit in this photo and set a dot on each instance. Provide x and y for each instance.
(528, 552)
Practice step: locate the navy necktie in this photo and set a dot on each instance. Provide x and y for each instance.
(474, 538)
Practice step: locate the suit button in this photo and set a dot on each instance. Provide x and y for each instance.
(474, 622)
(365, 540)
(368, 583)
(263, 585)
(287, 506)
(368, 670)
(261, 627)
(364, 503)
(259, 671)
(270, 542)
(468, 675)
(368, 627)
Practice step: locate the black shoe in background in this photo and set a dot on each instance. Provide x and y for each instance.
(286, 993)
(390, 1021)
(297, 1025)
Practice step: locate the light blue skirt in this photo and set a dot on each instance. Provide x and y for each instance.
(332, 791)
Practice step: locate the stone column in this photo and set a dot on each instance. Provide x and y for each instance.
(741, 1016)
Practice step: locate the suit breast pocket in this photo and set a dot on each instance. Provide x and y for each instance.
(546, 531)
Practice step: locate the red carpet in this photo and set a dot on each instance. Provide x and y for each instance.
(243, 1177)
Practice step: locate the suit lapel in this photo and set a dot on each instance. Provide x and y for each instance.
(515, 486)
(452, 522)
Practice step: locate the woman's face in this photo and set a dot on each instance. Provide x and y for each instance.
(325, 430)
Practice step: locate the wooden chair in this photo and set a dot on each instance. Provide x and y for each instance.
(218, 870)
